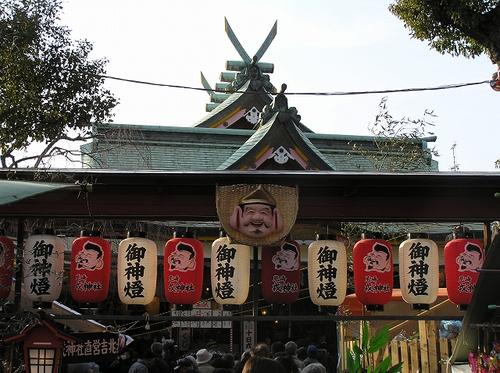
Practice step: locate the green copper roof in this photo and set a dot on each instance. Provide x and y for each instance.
(223, 106)
(246, 147)
(207, 149)
(14, 191)
(275, 134)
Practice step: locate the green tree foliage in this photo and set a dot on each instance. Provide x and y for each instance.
(49, 88)
(360, 358)
(459, 27)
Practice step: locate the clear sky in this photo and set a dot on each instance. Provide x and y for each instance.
(321, 45)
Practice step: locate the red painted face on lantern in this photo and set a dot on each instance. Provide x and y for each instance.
(90, 257)
(286, 258)
(378, 260)
(471, 259)
(257, 220)
(183, 258)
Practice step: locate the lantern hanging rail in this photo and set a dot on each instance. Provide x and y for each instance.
(153, 318)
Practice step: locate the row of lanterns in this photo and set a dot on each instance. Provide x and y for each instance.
(90, 268)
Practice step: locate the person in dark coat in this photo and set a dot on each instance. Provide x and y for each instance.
(257, 364)
(155, 363)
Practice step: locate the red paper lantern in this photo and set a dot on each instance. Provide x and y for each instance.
(6, 265)
(462, 259)
(90, 268)
(373, 272)
(280, 273)
(183, 270)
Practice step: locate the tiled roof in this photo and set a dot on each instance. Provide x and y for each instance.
(272, 135)
(314, 149)
(246, 147)
(206, 149)
(163, 148)
(223, 106)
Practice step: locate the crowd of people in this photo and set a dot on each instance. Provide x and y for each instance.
(278, 357)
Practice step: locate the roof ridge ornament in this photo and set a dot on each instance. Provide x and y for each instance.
(236, 43)
(257, 79)
(240, 72)
(242, 52)
(280, 106)
(252, 71)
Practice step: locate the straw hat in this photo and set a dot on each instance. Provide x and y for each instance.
(282, 199)
(203, 356)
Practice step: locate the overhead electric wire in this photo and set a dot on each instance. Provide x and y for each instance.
(340, 93)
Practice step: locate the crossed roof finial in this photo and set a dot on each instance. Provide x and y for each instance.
(250, 69)
(241, 51)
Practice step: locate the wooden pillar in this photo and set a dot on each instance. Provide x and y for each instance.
(19, 265)
(335, 343)
(487, 234)
(343, 345)
(255, 293)
(424, 346)
(432, 340)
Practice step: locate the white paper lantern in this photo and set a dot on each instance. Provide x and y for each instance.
(230, 271)
(43, 266)
(137, 269)
(419, 271)
(327, 272)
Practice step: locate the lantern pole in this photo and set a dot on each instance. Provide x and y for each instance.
(335, 342)
(289, 321)
(255, 295)
(19, 264)
(487, 234)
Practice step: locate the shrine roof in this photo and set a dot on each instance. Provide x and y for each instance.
(125, 146)
(240, 100)
(273, 135)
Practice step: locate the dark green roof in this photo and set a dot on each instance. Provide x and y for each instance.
(245, 148)
(125, 146)
(265, 136)
(14, 191)
(221, 108)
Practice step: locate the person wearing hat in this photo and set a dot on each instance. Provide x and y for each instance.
(256, 215)
(314, 368)
(140, 365)
(156, 364)
(312, 355)
(203, 358)
(184, 365)
(192, 360)
(291, 350)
